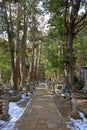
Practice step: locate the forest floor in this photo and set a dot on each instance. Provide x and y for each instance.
(79, 118)
(64, 105)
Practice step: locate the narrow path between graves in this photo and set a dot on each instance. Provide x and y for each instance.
(41, 113)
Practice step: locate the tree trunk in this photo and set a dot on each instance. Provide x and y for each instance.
(23, 47)
(32, 63)
(37, 63)
(69, 60)
(17, 49)
(9, 26)
(33, 41)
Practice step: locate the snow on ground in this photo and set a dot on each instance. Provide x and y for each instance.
(15, 113)
(79, 124)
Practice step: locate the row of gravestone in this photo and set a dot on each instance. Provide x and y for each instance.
(13, 96)
(30, 87)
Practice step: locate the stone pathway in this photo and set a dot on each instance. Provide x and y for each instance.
(41, 114)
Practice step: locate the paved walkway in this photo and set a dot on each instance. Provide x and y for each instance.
(41, 114)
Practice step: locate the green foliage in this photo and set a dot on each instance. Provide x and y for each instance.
(55, 5)
(4, 60)
(57, 24)
(80, 49)
(54, 62)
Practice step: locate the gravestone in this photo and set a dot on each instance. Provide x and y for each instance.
(5, 106)
(29, 87)
(15, 96)
(6, 103)
(74, 104)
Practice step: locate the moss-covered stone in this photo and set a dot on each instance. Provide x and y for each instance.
(5, 117)
(75, 115)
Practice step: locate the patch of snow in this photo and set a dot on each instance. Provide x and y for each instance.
(82, 116)
(78, 124)
(71, 126)
(63, 95)
(2, 122)
(14, 110)
(15, 113)
(24, 96)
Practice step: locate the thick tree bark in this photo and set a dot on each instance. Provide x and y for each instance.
(33, 42)
(32, 63)
(23, 47)
(69, 56)
(17, 49)
(37, 63)
(72, 25)
(11, 44)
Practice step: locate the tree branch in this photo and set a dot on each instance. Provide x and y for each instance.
(65, 15)
(74, 11)
(82, 18)
(80, 27)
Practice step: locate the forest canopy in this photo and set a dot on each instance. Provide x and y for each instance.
(34, 48)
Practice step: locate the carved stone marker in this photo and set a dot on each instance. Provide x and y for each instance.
(6, 103)
(74, 104)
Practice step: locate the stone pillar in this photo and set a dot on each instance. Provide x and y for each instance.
(6, 104)
(74, 104)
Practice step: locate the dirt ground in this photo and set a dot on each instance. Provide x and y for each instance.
(64, 104)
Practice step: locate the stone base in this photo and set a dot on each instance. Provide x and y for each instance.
(16, 97)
